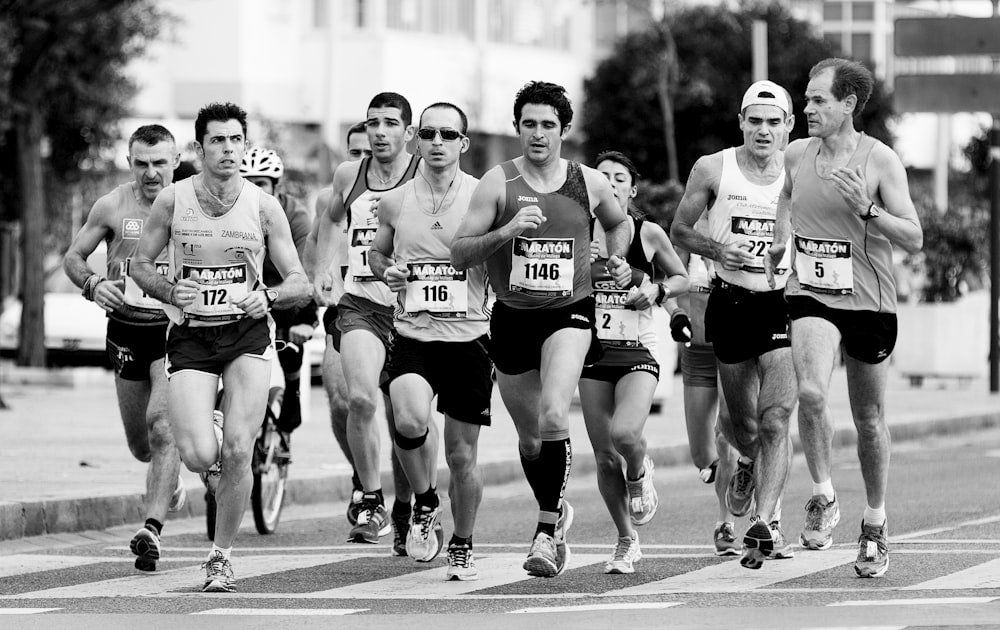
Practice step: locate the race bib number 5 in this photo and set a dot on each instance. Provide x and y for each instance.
(437, 288)
(542, 266)
(824, 265)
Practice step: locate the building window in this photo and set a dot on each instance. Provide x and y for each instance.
(440, 17)
(835, 40)
(541, 23)
(863, 12)
(861, 47)
(605, 23)
(833, 11)
(320, 13)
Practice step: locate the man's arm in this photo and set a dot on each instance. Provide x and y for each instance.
(294, 289)
(380, 256)
(309, 253)
(783, 216)
(607, 210)
(154, 238)
(474, 242)
(106, 294)
(300, 224)
(328, 232)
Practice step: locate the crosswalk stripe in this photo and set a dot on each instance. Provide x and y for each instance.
(985, 575)
(917, 601)
(730, 577)
(271, 612)
(26, 611)
(22, 564)
(166, 583)
(494, 570)
(596, 607)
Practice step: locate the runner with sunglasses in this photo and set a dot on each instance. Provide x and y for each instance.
(530, 221)
(441, 321)
(365, 310)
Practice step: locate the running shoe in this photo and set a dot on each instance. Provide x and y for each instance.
(642, 497)
(626, 553)
(783, 549)
(873, 551)
(146, 546)
(541, 561)
(400, 528)
(707, 474)
(373, 522)
(179, 498)
(739, 494)
(354, 506)
(211, 476)
(725, 540)
(564, 522)
(757, 544)
(461, 564)
(218, 575)
(426, 537)
(821, 517)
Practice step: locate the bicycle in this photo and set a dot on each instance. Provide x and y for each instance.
(270, 461)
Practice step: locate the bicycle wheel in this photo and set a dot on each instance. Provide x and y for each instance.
(270, 469)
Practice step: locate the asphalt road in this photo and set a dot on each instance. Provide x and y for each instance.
(944, 519)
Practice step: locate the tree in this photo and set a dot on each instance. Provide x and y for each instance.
(65, 84)
(713, 55)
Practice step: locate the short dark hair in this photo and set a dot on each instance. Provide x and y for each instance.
(542, 93)
(151, 134)
(392, 99)
(355, 128)
(444, 105)
(620, 158)
(849, 77)
(220, 112)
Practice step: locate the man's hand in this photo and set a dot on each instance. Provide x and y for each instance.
(680, 326)
(620, 270)
(643, 298)
(771, 259)
(299, 334)
(322, 286)
(185, 292)
(851, 185)
(595, 251)
(109, 294)
(396, 277)
(527, 218)
(254, 304)
(733, 257)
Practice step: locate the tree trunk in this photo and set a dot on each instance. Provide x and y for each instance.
(29, 161)
(665, 82)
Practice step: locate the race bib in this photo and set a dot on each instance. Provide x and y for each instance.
(542, 267)
(754, 234)
(437, 288)
(357, 253)
(617, 322)
(220, 286)
(135, 297)
(824, 265)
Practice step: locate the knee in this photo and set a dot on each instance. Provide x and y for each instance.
(160, 436)
(812, 398)
(608, 462)
(197, 458)
(409, 425)
(361, 405)
(237, 455)
(461, 461)
(774, 423)
(553, 416)
(626, 441)
(869, 423)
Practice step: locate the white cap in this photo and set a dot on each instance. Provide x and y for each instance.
(766, 93)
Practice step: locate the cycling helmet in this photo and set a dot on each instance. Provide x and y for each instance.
(261, 163)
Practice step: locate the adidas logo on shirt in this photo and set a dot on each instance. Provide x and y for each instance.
(437, 226)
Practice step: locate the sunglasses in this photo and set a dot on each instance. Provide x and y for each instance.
(448, 135)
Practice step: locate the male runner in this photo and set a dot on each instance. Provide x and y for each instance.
(529, 219)
(845, 203)
(746, 320)
(616, 392)
(217, 227)
(137, 326)
(364, 315)
(440, 348)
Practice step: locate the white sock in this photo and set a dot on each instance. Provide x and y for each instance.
(225, 552)
(824, 489)
(746, 461)
(874, 516)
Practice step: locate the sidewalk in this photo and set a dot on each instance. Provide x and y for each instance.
(64, 464)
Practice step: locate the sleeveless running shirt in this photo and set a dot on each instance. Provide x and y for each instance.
(362, 223)
(439, 303)
(621, 325)
(225, 253)
(839, 259)
(549, 266)
(743, 213)
(129, 216)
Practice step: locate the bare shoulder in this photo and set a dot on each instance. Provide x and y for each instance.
(795, 149)
(345, 175)
(270, 212)
(391, 202)
(323, 198)
(102, 212)
(706, 172)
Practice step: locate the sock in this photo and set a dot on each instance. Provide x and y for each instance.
(459, 541)
(746, 461)
(401, 508)
(874, 516)
(155, 524)
(225, 552)
(824, 489)
(547, 477)
(356, 482)
(427, 499)
(374, 495)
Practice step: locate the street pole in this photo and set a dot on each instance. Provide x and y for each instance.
(995, 237)
(758, 50)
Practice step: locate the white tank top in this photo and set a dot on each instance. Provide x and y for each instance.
(743, 213)
(439, 303)
(225, 254)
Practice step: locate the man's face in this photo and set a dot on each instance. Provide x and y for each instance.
(540, 132)
(265, 183)
(358, 146)
(387, 133)
(438, 152)
(824, 113)
(222, 147)
(621, 182)
(152, 166)
(765, 129)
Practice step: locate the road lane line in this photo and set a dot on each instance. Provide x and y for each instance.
(26, 611)
(291, 612)
(23, 564)
(595, 607)
(985, 575)
(917, 602)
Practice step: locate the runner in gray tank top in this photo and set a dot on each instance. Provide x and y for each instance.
(845, 204)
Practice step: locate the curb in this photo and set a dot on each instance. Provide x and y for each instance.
(18, 520)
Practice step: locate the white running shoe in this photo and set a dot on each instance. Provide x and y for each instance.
(642, 497)
(626, 553)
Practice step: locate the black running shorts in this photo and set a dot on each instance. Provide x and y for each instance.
(210, 349)
(133, 347)
(517, 335)
(868, 336)
(743, 324)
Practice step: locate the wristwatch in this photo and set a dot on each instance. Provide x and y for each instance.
(272, 297)
(664, 292)
(873, 211)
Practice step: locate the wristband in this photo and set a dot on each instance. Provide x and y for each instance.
(90, 285)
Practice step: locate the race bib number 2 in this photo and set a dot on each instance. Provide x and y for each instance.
(824, 265)
(542, 266)
(617, 322)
